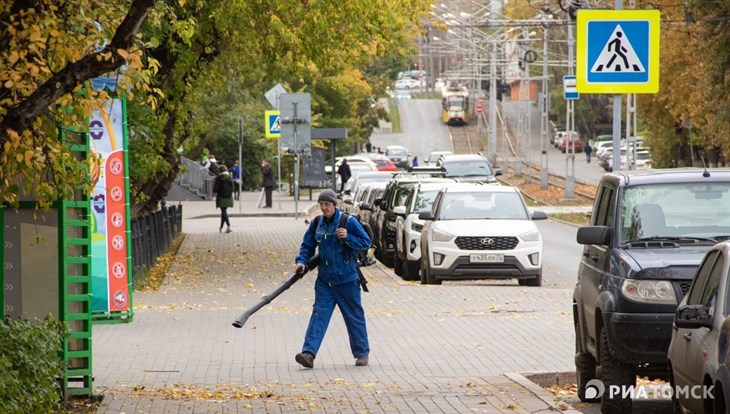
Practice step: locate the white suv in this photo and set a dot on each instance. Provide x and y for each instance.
(480, 231)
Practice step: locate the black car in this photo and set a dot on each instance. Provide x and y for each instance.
(395, 195)
(648, 232)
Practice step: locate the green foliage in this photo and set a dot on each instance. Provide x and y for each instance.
(30, 365)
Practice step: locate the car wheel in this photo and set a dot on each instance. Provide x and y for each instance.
(585, 368)
(676, 407)
(719, 400)
(534, 281)
(387, 259)
(410, 270)
(398, 266)
(614, 373)
(430, 278)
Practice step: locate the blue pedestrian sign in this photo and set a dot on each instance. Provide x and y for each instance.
(617, 51)
(273, 124)
(569, 91)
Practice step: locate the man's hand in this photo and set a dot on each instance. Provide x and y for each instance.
(341, 233)
(299, 268)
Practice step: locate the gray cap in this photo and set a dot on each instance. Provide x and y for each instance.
(327, 195)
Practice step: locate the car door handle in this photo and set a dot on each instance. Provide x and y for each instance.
(687, 337)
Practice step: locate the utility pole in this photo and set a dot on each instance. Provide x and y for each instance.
(570, 121)
(617, 119)
(545, 110)
(240, 163)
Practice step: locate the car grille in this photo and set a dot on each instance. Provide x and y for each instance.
(483, 243)
(684, 286)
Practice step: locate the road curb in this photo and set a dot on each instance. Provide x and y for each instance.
(540, 393)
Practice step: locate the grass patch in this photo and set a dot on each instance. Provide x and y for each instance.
(573, 218)
(394, 116)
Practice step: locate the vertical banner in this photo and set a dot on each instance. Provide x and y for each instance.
(110, 238)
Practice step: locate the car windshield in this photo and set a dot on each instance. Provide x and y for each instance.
(396, 152)
(467, 168)
(482, 206)
(683, 210)
(424, 200)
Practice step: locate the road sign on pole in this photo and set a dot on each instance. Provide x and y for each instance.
(273, 124)
(569, 91)
(617, 51)
(272, 95)
(296, 126)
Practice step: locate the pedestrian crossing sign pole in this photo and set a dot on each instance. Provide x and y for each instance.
(273, 124)
(617, 51)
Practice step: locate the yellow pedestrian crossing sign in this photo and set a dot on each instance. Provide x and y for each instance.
(617, 51)
(273, 124)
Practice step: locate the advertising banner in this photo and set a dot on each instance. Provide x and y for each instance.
(110, 259)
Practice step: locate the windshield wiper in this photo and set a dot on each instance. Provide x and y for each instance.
(690, 239)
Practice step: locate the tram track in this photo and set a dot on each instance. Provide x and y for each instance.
(460, 140)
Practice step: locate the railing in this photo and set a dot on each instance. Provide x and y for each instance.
(196, 178)
(152, 236)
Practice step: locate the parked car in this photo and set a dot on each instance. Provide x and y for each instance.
(699, 352)
(435, 155)
(384, 164)
(408, 228)
(648, 232)
(480, 231)
(395, 195)
(407, 83)
(576, 148)
(468, 168)
(398, 155)
(642, 161)
(368, 209)
(360, 178)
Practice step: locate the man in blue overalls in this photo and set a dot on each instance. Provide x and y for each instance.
(338, 282)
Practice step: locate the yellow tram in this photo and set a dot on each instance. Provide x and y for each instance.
(455, 104)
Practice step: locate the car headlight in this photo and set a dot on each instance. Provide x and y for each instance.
(442, 236)
(531, 236)
(390, 225)
(649, 291)
(416, 226)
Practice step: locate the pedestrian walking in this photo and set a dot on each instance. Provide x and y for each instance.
(344, 171)
(236, 173)
(414, 163)
(223, 189)
(269, 181)
(588, 149)
(338, 281)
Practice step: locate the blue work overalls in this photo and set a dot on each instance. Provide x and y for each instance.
(337, 282)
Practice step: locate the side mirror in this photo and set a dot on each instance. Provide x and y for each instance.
(600, 235)
(539, 215)
(692, 317)
(400, 210)
(365, 206)
(498, 171)
(425, 215)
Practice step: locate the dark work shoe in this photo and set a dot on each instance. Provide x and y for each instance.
(361, 362)
(305, 359)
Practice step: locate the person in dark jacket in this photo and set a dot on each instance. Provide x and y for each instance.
(223, 189)
(588, 149)
(269, 181)
(338, 282)
(344, 172)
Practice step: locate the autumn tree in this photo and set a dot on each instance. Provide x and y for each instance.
(49, 50)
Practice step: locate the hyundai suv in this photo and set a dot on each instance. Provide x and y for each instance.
(480, 231)
(648, 232)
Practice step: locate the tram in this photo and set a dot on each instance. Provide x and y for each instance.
(455, 104)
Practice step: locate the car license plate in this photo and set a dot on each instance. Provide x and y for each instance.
(486, 258)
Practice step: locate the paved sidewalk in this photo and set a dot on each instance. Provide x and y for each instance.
(454, 348)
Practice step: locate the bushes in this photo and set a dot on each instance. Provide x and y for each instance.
(31, 365)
